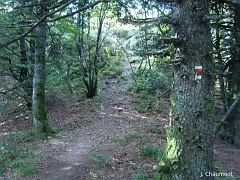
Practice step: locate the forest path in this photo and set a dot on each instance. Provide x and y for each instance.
(101, 139)
(69, 158)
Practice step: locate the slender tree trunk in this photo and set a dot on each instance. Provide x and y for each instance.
(237, 75)
(25, 77)
(40, 119)
(231, 129)
(189, 151)
(68, 77)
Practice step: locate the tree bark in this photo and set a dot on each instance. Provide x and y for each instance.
(25, 77)
(189, 151)
(40, 119)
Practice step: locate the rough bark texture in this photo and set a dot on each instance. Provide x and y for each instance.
(40, 120)
(189, 151)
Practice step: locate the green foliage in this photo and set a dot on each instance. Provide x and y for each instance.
(26, 170)
(122, 79)
(15, 153)
(151, 151)
(218, 168)
(95, 173)
(96, 157)
(148, 80)
(162, 176)
(101, 158)
(38, 133)
(147, 86)
(140, 175)
(146, 102)
(112, 66)
(126, 34)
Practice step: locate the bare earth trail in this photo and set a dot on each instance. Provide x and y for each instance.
(69, 158)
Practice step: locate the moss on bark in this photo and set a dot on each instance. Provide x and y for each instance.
(189, 139)
(41, 124)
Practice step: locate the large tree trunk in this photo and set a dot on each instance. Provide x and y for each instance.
(189, 151)
(40, 119)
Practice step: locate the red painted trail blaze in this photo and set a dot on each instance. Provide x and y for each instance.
(198, 69)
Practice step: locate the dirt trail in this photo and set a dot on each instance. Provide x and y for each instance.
(69, 158)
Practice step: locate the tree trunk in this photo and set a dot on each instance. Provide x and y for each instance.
(25, 77)
(231, 129)
(189, 151)
(68, 77)
(40, 119)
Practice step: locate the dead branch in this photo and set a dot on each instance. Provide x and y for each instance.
(225, 119)
(217, 17)
(157, 53)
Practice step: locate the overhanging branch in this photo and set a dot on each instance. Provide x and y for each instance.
(36, 24)
(219, 50)
(217, 17)
(44, 18)
(157, 53)
(158, 20)
(79, 10)
(225, 119)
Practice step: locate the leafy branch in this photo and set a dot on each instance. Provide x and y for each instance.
(44, 18)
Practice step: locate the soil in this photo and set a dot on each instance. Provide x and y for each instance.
(102, 138)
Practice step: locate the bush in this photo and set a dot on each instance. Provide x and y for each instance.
(147, 86)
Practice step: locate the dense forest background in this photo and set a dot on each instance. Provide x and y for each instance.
(58, 49)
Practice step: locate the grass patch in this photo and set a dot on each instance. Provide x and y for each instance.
(95, 172)
(151, 151)
(101, 158)
(125, 140)
(140, 175)
(122, 79)
(220, 169)
(26, 170)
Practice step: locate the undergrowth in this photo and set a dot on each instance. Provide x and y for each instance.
(220, 169)
(16, 155)
(151, 151)
(148, 88)
(140, 175)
